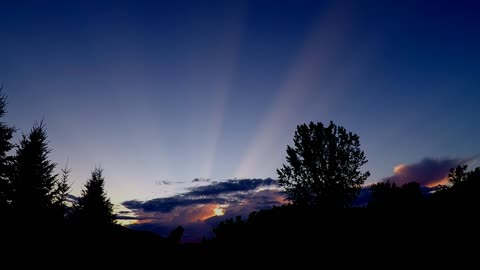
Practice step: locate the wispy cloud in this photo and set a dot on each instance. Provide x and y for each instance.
(201, 180)
(231, 186)
(165, 182)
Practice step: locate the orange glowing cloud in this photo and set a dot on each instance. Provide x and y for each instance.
(427, 172)
(202, 207)
(440, 182)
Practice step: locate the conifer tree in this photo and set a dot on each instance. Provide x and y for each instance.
(94, 209)
(33, 178)
(6, 133)
(62, 190)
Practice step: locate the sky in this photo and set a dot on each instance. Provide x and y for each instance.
(159, 93)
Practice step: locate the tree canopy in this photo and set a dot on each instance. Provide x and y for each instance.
(323, 166)
(388, 196)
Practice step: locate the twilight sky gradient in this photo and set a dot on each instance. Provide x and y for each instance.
(175, 90)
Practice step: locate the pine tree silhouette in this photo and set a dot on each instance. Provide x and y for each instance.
(62, 190)
(6, 133)
(33, 177)
(94, 209)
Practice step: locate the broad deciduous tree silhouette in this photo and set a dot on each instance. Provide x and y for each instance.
(94, 208)
(324, 166)
(33, 178)
(384, 195)
(462, 193)
(458, 175)
(6, 133)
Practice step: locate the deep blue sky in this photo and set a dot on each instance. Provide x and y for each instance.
(174, 90)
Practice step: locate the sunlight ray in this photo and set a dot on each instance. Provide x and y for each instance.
(319, 52)
(224, 64)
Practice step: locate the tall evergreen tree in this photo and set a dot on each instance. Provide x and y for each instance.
(94, 209)
(62, 190)
(33, 178)
(6, 133)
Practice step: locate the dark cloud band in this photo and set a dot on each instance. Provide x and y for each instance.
(229, 191)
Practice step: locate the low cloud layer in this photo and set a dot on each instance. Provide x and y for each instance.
(427, 172)
(195, 209)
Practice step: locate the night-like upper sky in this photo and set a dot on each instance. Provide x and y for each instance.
(171, 91)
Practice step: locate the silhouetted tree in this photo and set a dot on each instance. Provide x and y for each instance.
(458, 174)
(324, 166)
(384, 195)
(6, 133)
(176, 235)
(33, 178)
(411, 195)
(94, 208)
(62, 190)
(463, 191)
(387, 195)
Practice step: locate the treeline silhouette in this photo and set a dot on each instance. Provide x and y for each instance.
(36, 207)
(322, 179)
(399, 209)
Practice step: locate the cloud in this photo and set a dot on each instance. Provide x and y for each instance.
(427, 172)
(166, 205)
(215, 193)
(121, 217)
(72, 198)
(248, 203)
(164, 182)
(365, 195)
(231, 186)
(194, 209)
(201, 180)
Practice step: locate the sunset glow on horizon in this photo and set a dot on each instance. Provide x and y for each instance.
(218, 211)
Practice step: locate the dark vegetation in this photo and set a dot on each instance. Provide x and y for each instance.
(322, 179)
